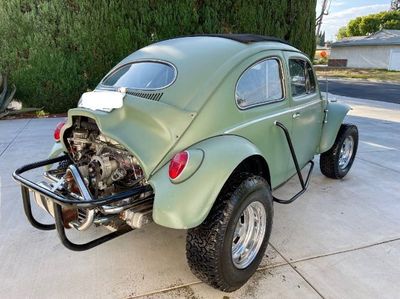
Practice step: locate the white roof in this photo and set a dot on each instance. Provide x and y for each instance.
(381, 38)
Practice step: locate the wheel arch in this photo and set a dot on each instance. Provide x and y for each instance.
(255, 164)
(186, 204)
(336, 112)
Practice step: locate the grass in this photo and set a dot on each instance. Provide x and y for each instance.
(365, 74)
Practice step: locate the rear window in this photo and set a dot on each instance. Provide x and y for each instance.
(142, 75)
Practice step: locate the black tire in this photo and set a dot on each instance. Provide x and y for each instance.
(209, 246)
(329, 161)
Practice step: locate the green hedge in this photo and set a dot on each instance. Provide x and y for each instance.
(54, 50)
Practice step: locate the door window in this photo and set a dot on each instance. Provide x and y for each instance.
(260, 84)
(302, 78)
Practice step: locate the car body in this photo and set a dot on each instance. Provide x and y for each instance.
(215, 105)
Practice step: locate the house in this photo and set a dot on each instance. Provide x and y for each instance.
(380, 50)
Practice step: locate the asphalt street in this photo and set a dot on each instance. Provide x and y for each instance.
(378, 91)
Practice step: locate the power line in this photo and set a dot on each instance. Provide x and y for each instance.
(324, 11)
(395, 5)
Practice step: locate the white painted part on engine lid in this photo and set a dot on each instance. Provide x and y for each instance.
(103, 100)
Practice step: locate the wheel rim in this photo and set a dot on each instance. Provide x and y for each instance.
(249, 234)
(346, 152)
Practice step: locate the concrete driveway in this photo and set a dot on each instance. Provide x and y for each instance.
(340, 240)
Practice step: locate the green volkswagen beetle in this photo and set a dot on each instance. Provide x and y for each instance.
(193, 133)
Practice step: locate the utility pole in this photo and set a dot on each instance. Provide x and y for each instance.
(324, 11)
(395, 5)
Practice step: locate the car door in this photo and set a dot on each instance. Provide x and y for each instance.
(261, 98)
(306, 108)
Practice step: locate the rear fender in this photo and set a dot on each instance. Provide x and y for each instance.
(186, 204)
(57, 149)
(335, 114)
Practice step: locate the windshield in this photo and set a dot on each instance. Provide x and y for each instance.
(142, 75)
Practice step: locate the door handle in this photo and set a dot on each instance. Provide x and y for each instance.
(296, 115)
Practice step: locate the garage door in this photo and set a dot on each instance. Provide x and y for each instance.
(394, 63)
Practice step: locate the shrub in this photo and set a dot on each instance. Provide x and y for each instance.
(54, 50)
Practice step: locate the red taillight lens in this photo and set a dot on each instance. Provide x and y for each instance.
(58, 130)
(177, 164)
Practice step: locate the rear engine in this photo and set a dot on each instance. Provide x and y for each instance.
(107, 168)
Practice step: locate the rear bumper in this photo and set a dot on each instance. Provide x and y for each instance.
(87, 202)
(59, 201)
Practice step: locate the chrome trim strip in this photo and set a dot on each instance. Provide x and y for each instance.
(273, 115)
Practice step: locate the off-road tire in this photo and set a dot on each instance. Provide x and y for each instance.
(209, 246)
(329, 161)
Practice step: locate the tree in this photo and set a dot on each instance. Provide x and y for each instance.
(342, 32)
(321, 39)
(53, 50)
(370, 24)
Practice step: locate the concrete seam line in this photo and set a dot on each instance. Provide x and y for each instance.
(376, 164)
(298, 272)
(376, 151)
(272, 266)
(200, 282)
(287, 262)
(15, 137)
(165, 290)
(345, 251)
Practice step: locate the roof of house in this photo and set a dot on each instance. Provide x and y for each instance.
(321, 48)
(383, 37)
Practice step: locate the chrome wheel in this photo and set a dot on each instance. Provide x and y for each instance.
(249, 235)
(346, 151)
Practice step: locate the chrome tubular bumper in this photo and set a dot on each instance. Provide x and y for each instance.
(59, 201)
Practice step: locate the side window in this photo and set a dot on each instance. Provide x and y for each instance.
(259, 84)
(310, 79)
(302, 78)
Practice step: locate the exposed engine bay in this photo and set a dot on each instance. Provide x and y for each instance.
(106, 168)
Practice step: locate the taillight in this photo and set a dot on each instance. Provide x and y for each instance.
(58, 130)
(177, 164)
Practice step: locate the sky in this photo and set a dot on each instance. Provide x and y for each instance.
(342, 11)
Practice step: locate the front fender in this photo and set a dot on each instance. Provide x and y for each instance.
(187, 204)
(334, 119)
